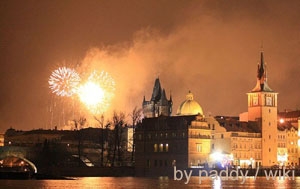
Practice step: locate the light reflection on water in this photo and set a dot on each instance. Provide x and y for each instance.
(151, 183)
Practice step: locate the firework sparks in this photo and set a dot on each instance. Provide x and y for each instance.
(97, 92)
(64, 81)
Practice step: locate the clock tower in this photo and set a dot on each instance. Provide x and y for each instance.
(262, 107)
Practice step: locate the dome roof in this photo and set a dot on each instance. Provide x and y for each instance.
(189, 106)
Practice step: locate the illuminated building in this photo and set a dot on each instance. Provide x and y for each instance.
(1, 139)
(158, 104)
(184, 140)
(250, 140)
(189, 106)
(262, 107)
(282, 153)
(292, 146)
(199, 131)
(241, 139)
(288, 137)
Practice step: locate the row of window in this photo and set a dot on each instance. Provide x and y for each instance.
(256, 146)
(292, 134)
(159, 163)
(281, 136)
(247, 155)
(293, 150)
(281, 145)
(162, 135)
(161, 147)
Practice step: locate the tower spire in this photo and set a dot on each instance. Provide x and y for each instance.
(261, 84)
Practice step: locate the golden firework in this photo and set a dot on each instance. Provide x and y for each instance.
(97, 92)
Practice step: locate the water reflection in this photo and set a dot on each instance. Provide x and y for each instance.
(152, 183)
(217, 183)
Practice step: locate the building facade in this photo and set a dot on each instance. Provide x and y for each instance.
(262, 107)
(158, 104)
(190, 139)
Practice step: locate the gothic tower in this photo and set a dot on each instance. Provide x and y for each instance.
(262, 107)
(158, 104)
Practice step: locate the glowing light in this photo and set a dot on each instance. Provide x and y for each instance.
(91, 93)
(64, 81)
(281, 120)
(97, 92)
(217, 156)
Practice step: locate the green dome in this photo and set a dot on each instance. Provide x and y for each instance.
(189, 106)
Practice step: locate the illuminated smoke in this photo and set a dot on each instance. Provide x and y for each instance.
(97, 92)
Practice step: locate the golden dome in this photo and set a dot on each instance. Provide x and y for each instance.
(189, 106)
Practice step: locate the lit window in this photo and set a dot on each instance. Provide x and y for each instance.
(155, 147)
(161, 147)
(167, 147)
(199, 147)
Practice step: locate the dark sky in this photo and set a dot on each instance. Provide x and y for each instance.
(209, 47)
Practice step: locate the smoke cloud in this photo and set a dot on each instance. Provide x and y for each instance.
(208, 47)
(214, 53)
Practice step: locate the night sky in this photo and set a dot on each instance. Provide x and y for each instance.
(209, 47)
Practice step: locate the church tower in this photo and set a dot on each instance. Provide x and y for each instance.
(262, 107)
(158, 104)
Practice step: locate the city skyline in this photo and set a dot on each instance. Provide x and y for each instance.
(210, 48)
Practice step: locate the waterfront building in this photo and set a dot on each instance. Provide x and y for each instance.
(292, 146)
(184, 140)
(282, 152)
(161, 143)
(288, 123)
(253, 139)
(240, 139)
(262, 107)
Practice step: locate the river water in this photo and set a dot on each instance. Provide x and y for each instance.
(152, 183)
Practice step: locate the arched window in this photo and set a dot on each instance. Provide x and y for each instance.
(155, 147)
(161, 147)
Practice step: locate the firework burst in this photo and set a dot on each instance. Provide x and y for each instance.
(97, 92)
(64, 81)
